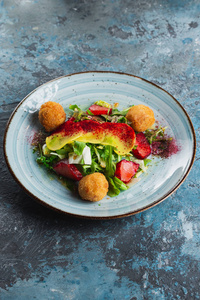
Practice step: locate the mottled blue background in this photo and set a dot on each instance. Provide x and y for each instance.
(152, 255)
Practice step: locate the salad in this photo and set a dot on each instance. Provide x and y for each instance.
(101, 150)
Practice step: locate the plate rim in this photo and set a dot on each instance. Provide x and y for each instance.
(100, 217)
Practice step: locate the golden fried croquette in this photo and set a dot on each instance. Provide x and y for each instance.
(141, 117)
(51, 115)
(93, 187)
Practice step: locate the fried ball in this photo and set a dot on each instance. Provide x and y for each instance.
(141, 117)
(93, 187)
(51, 115)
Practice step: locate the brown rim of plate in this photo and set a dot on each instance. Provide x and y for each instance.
(91, 217)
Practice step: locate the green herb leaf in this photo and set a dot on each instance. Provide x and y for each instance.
(122, 120)
(113, 190)
(74, 107)
(146, 161)
(120, 184)
(47, 161)
(89, 112)
(153, 134)
(103, 103)
(70, 184)
(62, 151)
(109, 162)
(122, 112)
(78, 147)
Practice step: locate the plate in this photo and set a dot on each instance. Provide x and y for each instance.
(163, 177)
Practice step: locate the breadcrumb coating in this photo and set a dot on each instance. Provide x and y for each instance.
(141, 117)
(93, 187)
(51, 115)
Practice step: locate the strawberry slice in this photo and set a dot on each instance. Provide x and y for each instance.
(125, 170)
(65, 169)
(100, 110)
(71, 119)
(143, 148)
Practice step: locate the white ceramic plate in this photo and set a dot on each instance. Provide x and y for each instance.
(162, 178)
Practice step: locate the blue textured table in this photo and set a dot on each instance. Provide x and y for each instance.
(151, 255)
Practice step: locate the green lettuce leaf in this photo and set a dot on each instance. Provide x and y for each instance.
(113, 190)
(78, 147)
(74, 107)
(120, 184)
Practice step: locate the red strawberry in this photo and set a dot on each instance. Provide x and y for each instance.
(67, 170)
(142, 149)
(100, 110)
(71, 119)
(125, 170)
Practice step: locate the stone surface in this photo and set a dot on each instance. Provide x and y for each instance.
(152, 255)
